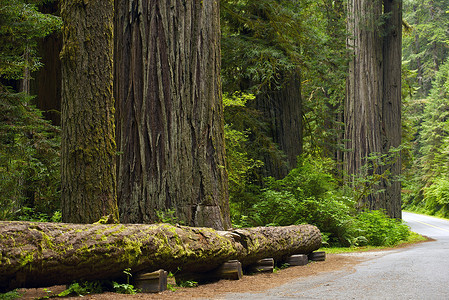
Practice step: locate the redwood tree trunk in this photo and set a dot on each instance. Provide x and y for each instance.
(170, 127)
(88, 139)
(283, 108)
(45, 254)
(372, 110)
(47, 80)
(391, 102)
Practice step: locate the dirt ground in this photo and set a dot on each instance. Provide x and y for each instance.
(252, 283)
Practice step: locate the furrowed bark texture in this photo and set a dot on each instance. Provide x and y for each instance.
(88, 134)
(170, 127)
(45, 254)
(373, 106)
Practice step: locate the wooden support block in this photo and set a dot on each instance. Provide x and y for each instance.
(262, 265)
(154, 282)
(317, 256)
(297, 260)
(231, 270)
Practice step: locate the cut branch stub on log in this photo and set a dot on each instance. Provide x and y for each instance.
(45, 254)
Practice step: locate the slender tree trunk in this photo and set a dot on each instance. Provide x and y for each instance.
(88, 139)
(170, 116)
(372, 109)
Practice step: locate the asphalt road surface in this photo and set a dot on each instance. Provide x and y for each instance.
(417, 272)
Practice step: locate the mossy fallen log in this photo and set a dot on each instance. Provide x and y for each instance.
(45, 254)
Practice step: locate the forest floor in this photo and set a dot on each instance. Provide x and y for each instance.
(251, 283)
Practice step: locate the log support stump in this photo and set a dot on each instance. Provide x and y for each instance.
(262, 265)
(297, 260)
(231, 270)
(317, 256)
(154, 282)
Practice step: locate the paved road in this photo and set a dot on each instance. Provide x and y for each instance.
(418, 272)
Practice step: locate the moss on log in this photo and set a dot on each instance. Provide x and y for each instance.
(44, 254)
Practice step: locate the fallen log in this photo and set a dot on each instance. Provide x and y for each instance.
(45, 254)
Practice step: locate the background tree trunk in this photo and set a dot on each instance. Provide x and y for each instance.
(391, 102)
(88, 139)
(170, 127)
(47, 80)
(283, 109)
(45, 254)
(372, 110)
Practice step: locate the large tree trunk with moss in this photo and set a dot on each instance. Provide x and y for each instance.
(373, 106)
(88, 138)
(170, 128)
(45, 254)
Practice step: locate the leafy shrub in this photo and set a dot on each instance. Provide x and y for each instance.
(436, 197)
(308, 194)
(380, 230)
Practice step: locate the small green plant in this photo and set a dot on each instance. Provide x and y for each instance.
(168, 216)
(187, 284)
(10, 295)
(77, 289)
(125, 288)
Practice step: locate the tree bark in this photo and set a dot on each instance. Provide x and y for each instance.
(88, 140)
(170, 127)
(45, 254)
(373, 105)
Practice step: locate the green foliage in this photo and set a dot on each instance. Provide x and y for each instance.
(425, 47)
(374, 175)
(426, 184)
(436, 197)
(307, 195)
(310, 195)
(380, 230)
(10, 295)
(240, 165)
(82, 289)
(29, 146)
(21, 25)
(124, 288)
(187, 284)
(168, 216)
(29, 158)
